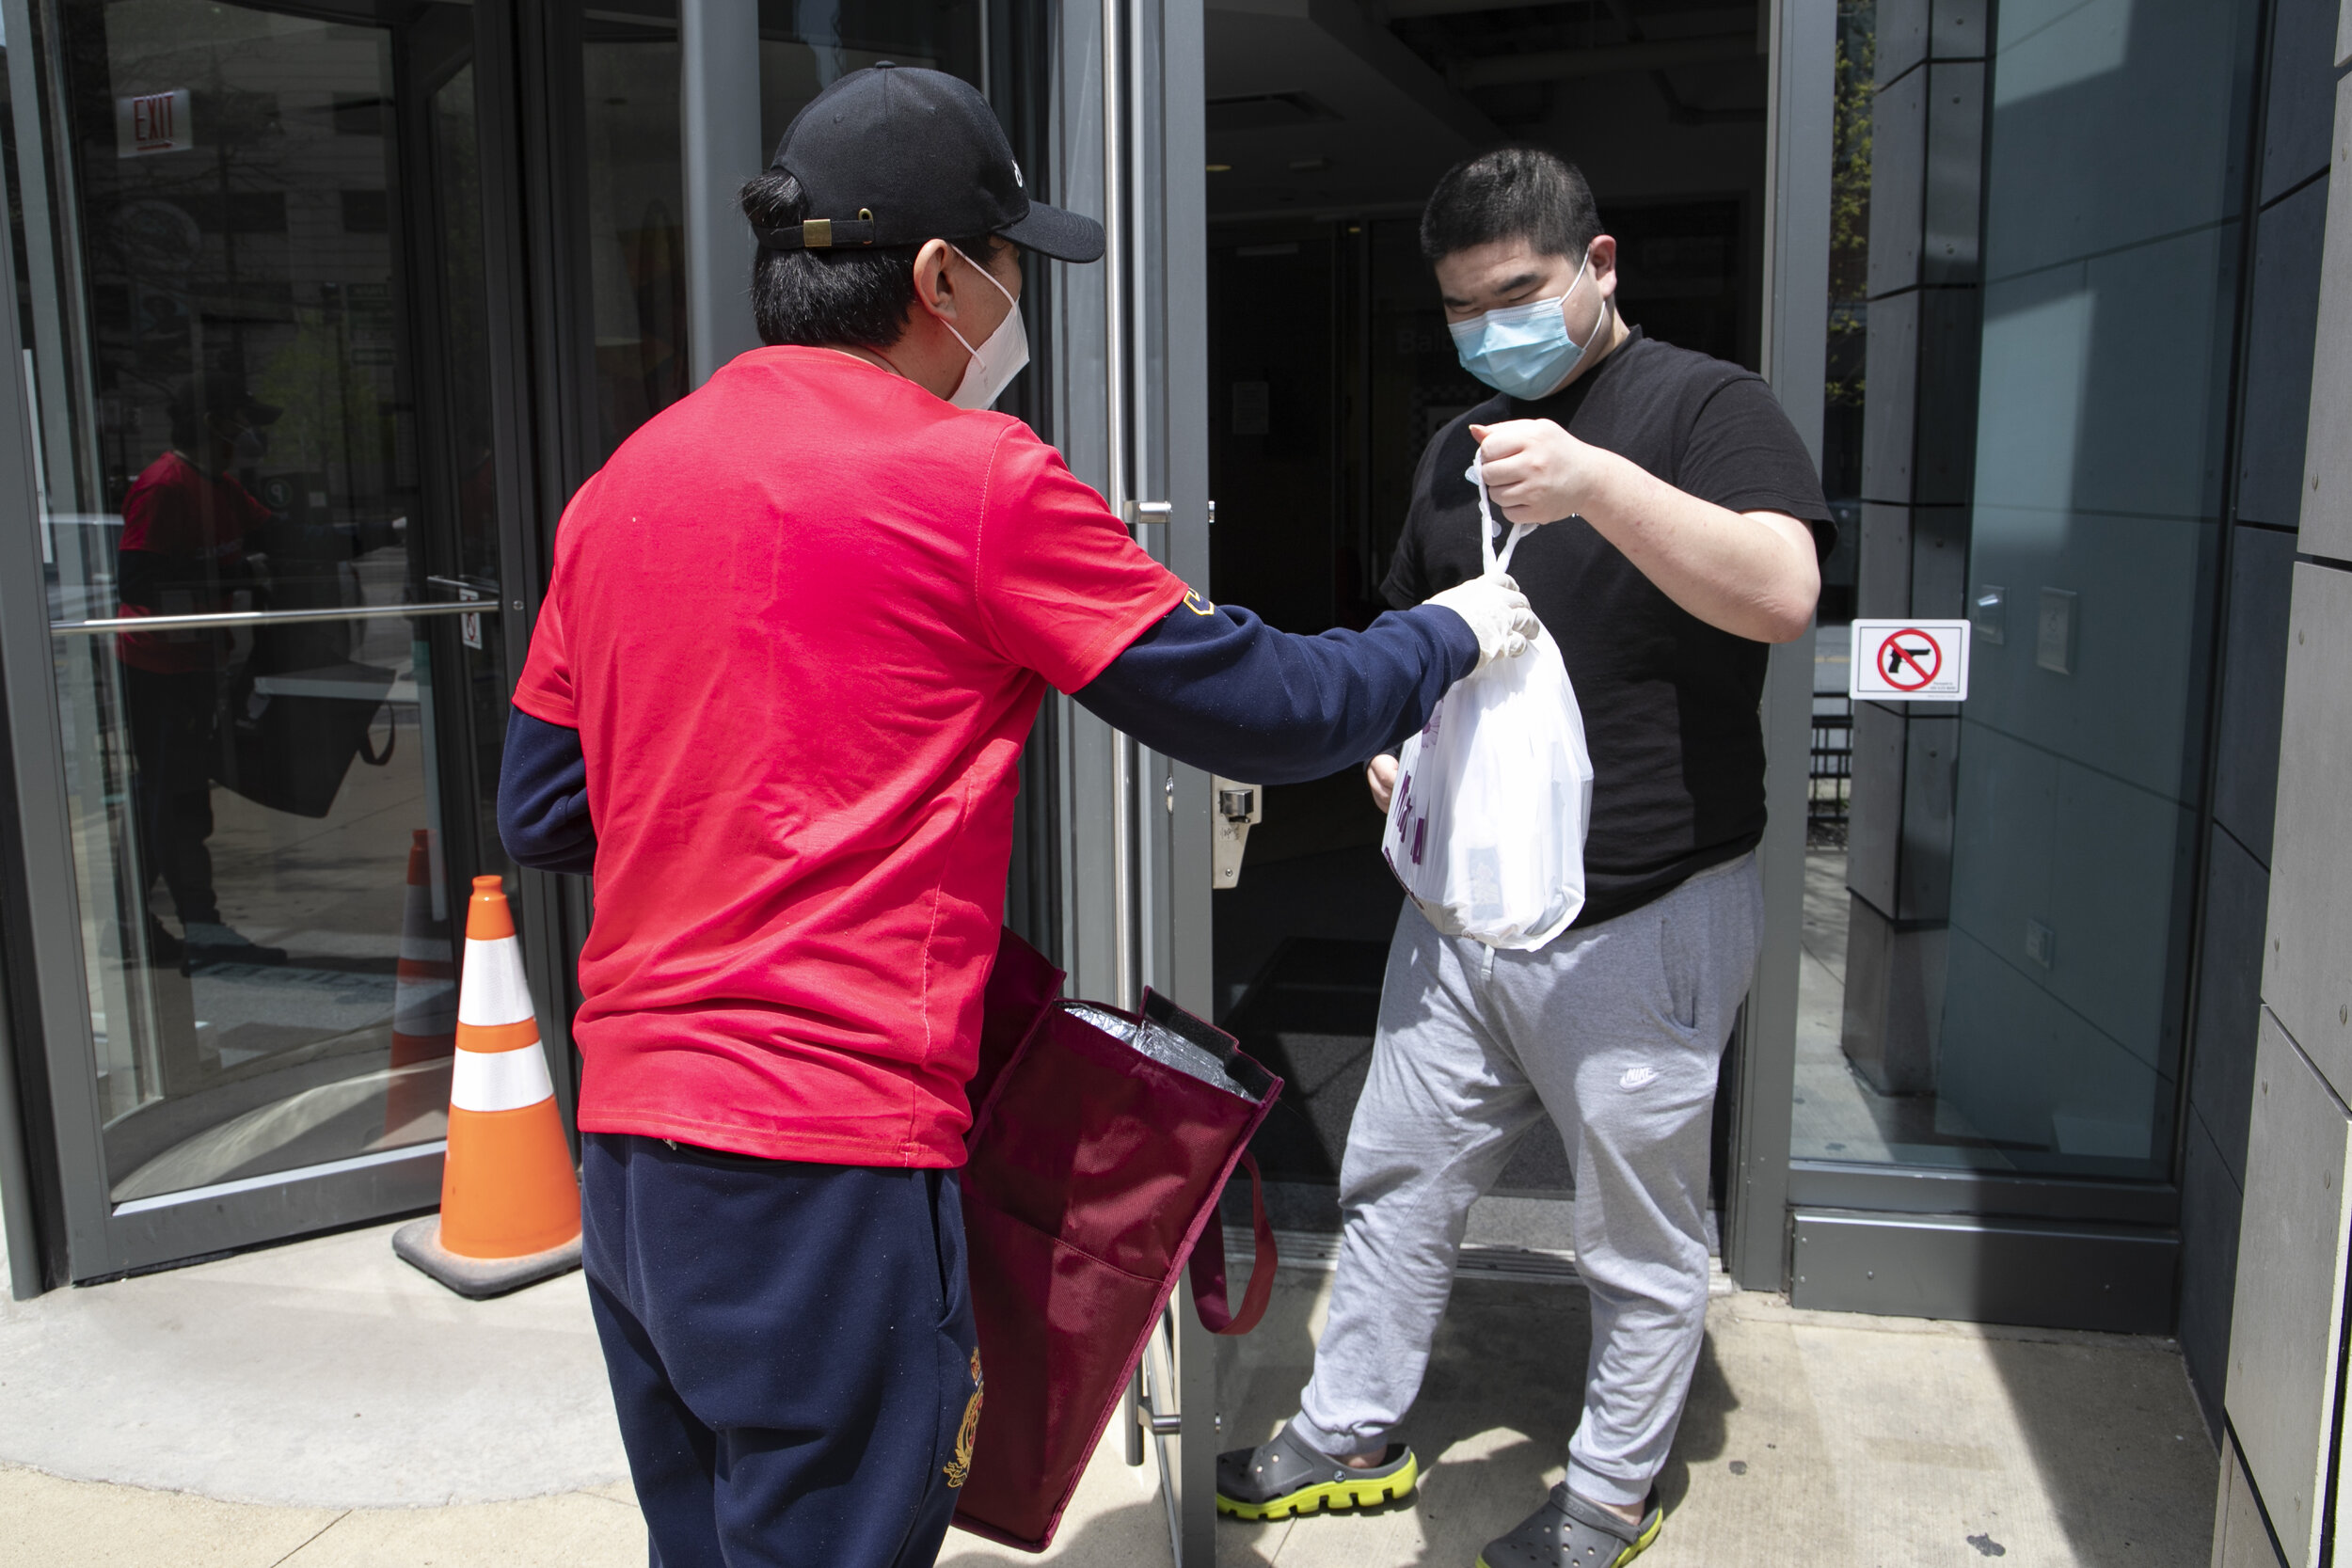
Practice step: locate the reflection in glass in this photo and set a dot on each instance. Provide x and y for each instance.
(807, 45)
(1994, 967)
(239, 420)
(635, 222)
(636, 213)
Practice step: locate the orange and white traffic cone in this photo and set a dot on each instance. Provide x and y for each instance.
(424, 1004)
(510, 1203)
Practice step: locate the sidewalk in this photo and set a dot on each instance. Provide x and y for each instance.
(1812, 1440)
(320, 1405)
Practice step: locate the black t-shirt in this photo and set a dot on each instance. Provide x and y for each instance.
(1669, 702)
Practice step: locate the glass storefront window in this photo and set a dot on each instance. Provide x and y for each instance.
(260, 385)
(807, 45)
(635, 219)
(636, 213)
(1996, 956)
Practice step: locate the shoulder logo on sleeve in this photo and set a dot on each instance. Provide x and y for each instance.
(1198, 605)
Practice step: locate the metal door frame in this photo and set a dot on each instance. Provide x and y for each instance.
(1128, 101)
(49, 1217)
(1802, 73)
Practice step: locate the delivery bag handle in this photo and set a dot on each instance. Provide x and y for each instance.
(1208, 1265)
(1493, 564)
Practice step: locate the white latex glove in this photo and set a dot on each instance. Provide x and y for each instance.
(1497, 612)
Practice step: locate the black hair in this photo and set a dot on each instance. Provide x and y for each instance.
(188, 415)
(1512, 193)
(201, 404)
(854, 296)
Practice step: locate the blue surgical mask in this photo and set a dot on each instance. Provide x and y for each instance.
(1524, 350)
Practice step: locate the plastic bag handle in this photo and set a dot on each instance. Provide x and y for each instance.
(1208, 1266)
(1493, 563)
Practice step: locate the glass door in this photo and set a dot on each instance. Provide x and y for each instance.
(621, 245)
(2001, 894)
(254, 253)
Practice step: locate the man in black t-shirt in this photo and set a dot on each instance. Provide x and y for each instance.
(1686, 532)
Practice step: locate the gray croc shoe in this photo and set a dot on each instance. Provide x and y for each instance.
(1569, 1532)
(1285, 1476)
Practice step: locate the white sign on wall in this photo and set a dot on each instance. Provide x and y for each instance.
(151, 122)
(1913, 661)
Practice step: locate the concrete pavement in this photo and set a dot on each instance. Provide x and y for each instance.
(1812, 1440)
(319, 1405)
(321, 1375)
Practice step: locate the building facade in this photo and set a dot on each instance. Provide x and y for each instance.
(323, 308)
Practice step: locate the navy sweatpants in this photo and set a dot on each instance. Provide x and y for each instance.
(791, 1351)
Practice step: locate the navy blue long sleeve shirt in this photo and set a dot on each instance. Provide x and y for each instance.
(1218, 689)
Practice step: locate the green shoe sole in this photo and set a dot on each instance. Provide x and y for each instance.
(1641, 1543)
(1330, 1497)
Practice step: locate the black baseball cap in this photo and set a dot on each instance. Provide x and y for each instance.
(896, 156)
(221, 399)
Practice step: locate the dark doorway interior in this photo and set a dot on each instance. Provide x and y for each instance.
(1330, 368)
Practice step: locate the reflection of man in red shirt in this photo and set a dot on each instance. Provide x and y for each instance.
(185, 529)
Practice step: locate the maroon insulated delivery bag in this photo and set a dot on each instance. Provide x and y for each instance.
(1100, 1144)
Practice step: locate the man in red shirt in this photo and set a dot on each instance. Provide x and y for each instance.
(798, 630)
(187, 526)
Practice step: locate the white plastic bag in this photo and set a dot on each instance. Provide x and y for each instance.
(1486, 826)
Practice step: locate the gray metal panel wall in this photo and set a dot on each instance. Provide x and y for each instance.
(2302, 121)
(2283, 1352)
(2328, 455)
(2229, 1002)
(2279, 355)
(2283, 1395)
(2241, 1537)
(2290, 189)
(2210, 1202)
(2307, 980)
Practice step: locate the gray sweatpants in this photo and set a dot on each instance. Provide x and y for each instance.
(1616, 1031)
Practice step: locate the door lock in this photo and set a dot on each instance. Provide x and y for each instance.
(1140, 512)
(1238, 806)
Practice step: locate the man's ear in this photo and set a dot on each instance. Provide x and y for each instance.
(934, 285)
(1604, 259)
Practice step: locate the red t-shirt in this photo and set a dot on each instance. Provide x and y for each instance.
(803, 621)
(193, 525)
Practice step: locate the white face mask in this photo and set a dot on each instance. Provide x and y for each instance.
(996, 362)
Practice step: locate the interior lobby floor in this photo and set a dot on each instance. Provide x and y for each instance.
(319, 1405)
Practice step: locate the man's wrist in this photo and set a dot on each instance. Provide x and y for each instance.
(1455, 636)
(1611, 495)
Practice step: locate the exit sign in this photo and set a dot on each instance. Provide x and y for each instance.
(154, 122)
